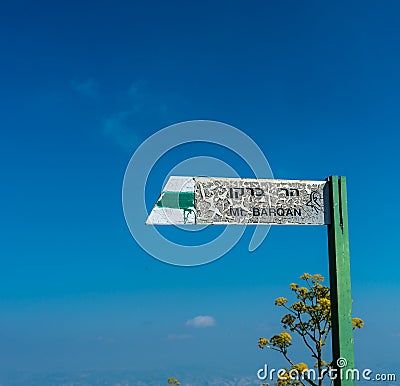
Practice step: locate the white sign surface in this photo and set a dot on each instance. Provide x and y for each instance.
(203, 200)
(257, 201)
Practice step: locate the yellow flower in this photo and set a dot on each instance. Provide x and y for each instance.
(173, 381)
(288, 319)
(293, 286)
(299, 306)
(284, 379)
(284, 376)
(286, 337)
(317, 278)
(325, 303)
(262, 342)
(323, 363)
(302, 291)
(305, 276)
(282, 340)
(300, 367)
(280, 301)
(357, 323)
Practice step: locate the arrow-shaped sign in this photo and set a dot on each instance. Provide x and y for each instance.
(203, 200)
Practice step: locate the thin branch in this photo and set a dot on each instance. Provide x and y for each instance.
(303, 325)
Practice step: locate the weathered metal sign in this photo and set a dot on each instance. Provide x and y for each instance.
(203, 200)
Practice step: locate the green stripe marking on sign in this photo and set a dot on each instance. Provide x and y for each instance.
(178, 200)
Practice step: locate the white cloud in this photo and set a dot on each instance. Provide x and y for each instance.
(143, 109)
(201, 321)
(118, 127)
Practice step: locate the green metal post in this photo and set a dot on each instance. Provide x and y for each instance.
(340, 286)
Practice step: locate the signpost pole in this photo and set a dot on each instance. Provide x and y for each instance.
(340, 286)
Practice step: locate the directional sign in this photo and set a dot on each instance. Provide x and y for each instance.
(203, 200)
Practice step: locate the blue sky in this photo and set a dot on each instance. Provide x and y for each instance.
(315, 84)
